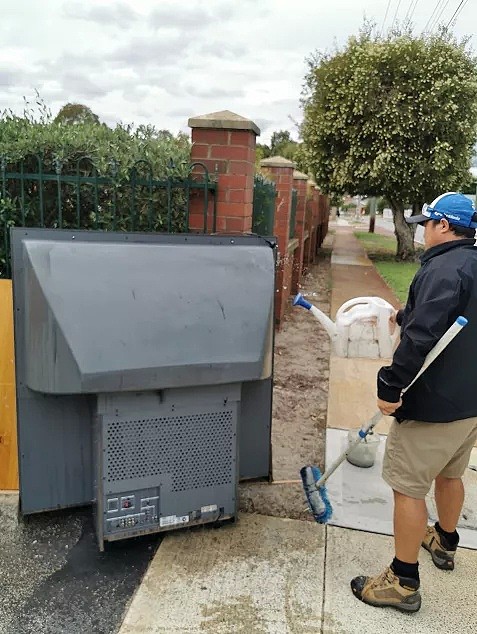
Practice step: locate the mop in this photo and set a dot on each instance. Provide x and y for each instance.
(312, 479)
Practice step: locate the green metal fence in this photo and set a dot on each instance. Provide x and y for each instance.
(78, 197)
(264, 195)
(294, 202)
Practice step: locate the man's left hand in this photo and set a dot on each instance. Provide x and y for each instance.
(388, 409)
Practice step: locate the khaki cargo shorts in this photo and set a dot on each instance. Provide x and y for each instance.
(417, 452)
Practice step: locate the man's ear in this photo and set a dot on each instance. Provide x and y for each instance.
(444, 225)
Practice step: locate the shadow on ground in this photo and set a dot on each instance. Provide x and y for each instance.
(54, 580)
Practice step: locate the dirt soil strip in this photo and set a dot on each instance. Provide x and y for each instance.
(300, 398)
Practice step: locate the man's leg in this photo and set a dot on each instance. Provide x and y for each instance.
(449, 495)
(442, 539)
(403, 469)
(410, 524)
(398, 585)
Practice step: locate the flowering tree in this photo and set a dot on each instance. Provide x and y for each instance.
(393, 117)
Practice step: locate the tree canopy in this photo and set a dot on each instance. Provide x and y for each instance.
(282, 144)
(393, 117)
(74, 113)
(37, 133)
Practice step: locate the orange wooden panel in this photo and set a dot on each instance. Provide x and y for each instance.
(8, 418)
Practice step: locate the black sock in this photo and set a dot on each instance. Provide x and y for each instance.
(402, 569)
(452, 539)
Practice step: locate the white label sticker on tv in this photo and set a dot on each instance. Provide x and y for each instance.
(173, 520)
(211, 508)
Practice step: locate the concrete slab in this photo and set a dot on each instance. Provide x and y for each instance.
(351, 260)
(263, 575)
(352, 273)
(352, 393)
(448, 598)
(362, 500)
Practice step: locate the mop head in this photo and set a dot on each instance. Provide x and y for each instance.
(317, 498)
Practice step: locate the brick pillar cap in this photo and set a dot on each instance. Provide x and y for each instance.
(276, 161)
(311, 182)
(224, 120)
(299, 176)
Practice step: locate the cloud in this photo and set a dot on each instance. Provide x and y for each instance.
(222, 49)
(263, 124)
(137, 93)
(208, 92)
(144, 113)
(8, 78)
(117, 14)
(148, 51)
(80, 84)
(179, 112)
(70, 61)
(198, 17)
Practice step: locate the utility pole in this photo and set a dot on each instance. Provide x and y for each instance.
(372, 214)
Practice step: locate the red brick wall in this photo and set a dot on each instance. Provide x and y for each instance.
(300, 186)
(283, 298)
(283, 178)
(232, 154)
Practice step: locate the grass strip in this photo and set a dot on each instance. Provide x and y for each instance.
(381, 250)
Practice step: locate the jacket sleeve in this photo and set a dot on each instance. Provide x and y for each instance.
(439, 299)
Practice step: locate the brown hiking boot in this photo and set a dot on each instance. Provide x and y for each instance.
(388, 590)
(441, 552)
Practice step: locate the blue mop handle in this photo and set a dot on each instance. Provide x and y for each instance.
(443, 342)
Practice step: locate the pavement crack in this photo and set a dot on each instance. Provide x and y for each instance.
(324, 582)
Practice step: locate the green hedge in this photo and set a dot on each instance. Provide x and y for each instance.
(142, 176)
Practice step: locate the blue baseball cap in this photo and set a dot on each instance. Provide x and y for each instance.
(456, 208)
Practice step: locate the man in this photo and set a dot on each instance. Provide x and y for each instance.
(435, 424)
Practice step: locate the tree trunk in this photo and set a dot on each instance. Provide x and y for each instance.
(404, 233)
(372, 214)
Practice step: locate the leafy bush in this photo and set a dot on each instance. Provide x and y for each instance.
(138, 178)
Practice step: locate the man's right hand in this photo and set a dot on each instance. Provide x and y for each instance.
(388, 409)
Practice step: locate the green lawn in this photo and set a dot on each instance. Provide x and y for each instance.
(381, 250)
(376, 244)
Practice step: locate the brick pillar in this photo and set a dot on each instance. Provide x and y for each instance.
(299, 183)
(280, 170)
(225, 142)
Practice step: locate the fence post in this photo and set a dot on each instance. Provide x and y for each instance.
(309, 215)
(225, 142)
(280, 170)
(315, 223)
(299, 183)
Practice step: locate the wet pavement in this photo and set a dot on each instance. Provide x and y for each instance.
(54, 579)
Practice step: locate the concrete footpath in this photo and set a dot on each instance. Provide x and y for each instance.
(267, 575)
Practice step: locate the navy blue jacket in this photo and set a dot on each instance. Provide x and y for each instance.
(443, 288)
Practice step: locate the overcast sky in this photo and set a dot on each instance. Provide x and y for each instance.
(163, 61)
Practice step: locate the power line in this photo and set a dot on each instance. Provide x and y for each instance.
(438, 17)
(432, 14)
(385, 16)
(395, 14)
(410, 11)
(456, 13)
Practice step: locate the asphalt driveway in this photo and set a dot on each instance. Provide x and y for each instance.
(53, 579)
